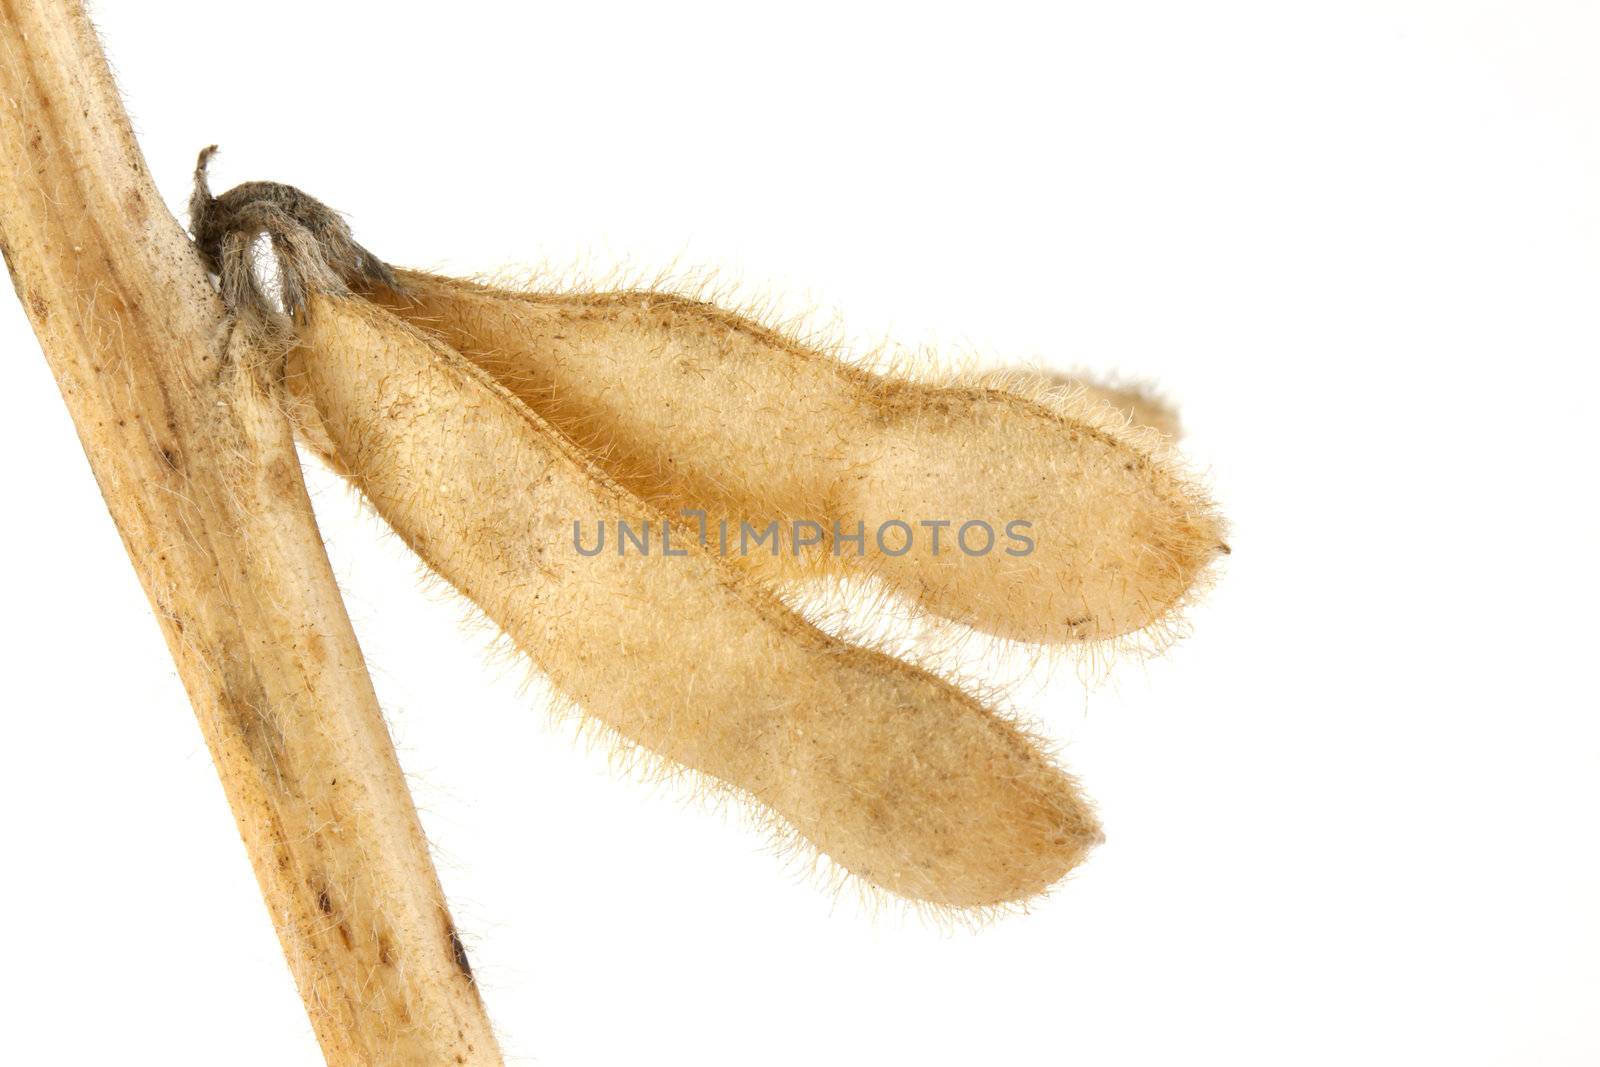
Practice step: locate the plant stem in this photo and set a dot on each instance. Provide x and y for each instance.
(180, 419)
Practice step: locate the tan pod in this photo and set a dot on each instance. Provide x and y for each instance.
(1078, 526)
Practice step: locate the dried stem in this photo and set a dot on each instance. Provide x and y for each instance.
(178, 415)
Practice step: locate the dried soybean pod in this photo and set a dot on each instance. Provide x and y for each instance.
(1077, 527)
(897, 775)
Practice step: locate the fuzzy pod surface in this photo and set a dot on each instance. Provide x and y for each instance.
(1060, 521)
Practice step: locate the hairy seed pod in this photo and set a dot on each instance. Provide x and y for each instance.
(897, 775)
(1033, 518)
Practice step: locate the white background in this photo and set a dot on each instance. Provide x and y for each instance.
(1351, 819)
